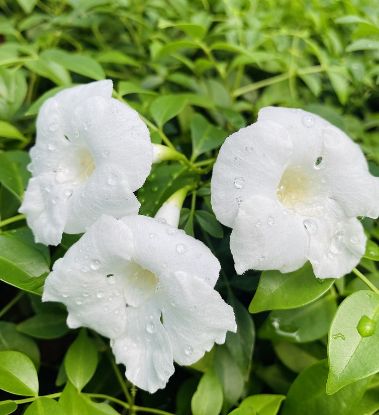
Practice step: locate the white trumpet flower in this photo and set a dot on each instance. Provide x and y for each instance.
(91, 153)
(291, 186)
(147, 286)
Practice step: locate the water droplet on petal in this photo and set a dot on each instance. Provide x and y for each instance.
(95, 264)
(270, 220)
(112, 179)
(188, 350)
(354, 240)
(78, 302)
(99, 295)
(181, 248)
(239, 182)
(336, 243)
(258, 224)
(152, 235)
(68, 193)
(162, 220)
(65, 295)
(54, 200)
(310, 226)
(53, 126)
(172, 230)
(239, 200)
(308, 120)
(366, 326)
(51, 147)
(150, 327)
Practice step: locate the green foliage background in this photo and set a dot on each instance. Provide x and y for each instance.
(197, 71)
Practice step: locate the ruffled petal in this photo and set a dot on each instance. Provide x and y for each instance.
(336, 243)
(145, 349)
(267, 236)
(194, 315)
(251, 161)
(86, 279)
(171, 249)
(45, 206)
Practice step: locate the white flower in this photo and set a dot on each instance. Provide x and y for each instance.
(91, 153)
(147, 286)
(291, 186)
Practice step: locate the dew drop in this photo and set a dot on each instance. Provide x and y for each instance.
(181, 248)
(51, 147)
(99, 295)
(111, 281)
(258, 224)
(106, 153)
(270, 220)
(310, 226)
(112, 179)
(152, 235)
(65, 295)
(308, 120)
(150, 328)
(354, 240)
(162, 220)
(155, 189)
(171, 231)
(366, 326)
(78, 302)
(336, 243)
(239, 200)
(54, 200)
(95, 264)
(330, 139)
(188, 350)
(47, 189)
(239, 182)
(76, 133)
(68, 193)
(53, 126)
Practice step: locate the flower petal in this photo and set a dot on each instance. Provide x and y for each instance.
(336, 243)
(145, 349)
(194, 315)
(267, 236)
(170, 249)
(83, 279)
(251, 161)
(45, 205)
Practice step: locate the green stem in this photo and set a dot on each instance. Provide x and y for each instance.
(27, 400)
(365, 280)
(11, 303)
(11, 220)
(121, 381)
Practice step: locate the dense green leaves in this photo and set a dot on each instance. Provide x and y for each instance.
(18, 374)
(354, 340)
(81, 360)
(277, 291)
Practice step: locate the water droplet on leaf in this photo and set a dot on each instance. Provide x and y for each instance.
(366, 326)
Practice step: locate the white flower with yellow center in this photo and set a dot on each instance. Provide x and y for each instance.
(147, 286)
(91, 153)
(291, 186)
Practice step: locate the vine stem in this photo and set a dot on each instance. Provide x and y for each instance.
(11, 220)
(11, 303)
(365, 280)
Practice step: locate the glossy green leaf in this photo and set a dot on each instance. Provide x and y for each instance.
(22, 265)
(363, 44)
(51, 70)
(13, 173)
(209, 223)
(207, 399)
(354, 340)
(11, 339)
(372, 251)
(45, 326)
(166, 107)
(10, 132)
(81, 360)
(72, 401)
(205, 136)
(307, 394)
(300, 325)
(44, 406)
(18, 374)
(13, 89)
(7, 407)
(259, 404)
(277, 291)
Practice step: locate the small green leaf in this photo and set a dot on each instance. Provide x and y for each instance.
(7, 407)
(372, 251)
(209, 223)
(298, 357)
(127, 87)
(10, 132)
(18, 374)
(354, 340)
(277, 291)
(27, 5)
(363, 44)
(50, 70)
(45, 326)
(13, 173)
(13, 89)
(166, 107)
(205, 136)
(81, 360)
(307, 394)
(44, 406)
(259, 404)
(72, 401)
(208, 398)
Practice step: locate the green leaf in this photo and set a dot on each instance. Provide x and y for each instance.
(259, 404)
(72, 401)
(354, 340)
(18, 374)
(22, 265)
(44, 406)
(49, 69)
(127, 87)
(207, 399)
(11, 339)
(307, 394)
(209, 223)
(205, 136)
(10, 132)
(340, 83)
(7, 407)
(277, 291)
(300, 325)
(81, 360)
(27, 5)
(116, 57)
(80, 64)
(363, 44)
(298, 357)
(166, 107)
(372, 251)
(45, 326)
(164, 180)
(13, 89)
(13, 173)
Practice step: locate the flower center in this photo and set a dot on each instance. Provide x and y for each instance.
(295, 187)
(77, 168)
(86, 164)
